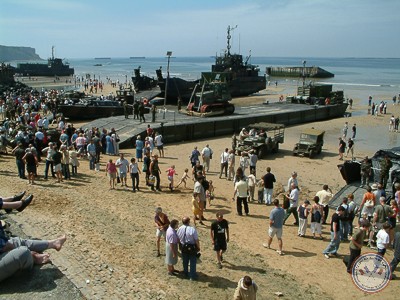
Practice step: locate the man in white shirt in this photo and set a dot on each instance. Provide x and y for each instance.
(224, 163)
(294, 200)
(325, 195)
(231, 165)
(206, 154)
(159, 144)
(382, 239)
(241, 192)
(123, 164)
(292, 179)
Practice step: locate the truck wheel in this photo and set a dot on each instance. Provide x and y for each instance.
(276, 148)
(319, 150)
(311, 153)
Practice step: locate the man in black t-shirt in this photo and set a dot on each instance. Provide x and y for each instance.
(19, 153)
(333, 246)
(220, 236)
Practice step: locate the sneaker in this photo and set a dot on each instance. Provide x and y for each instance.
(219, 266)
(326, 256)
(265, 245)
(279, 252)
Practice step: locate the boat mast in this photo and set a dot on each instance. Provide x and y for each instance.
(304, 76)
(228, 47)
(52, 52)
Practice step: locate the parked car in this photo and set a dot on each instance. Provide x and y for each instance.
(310, 143)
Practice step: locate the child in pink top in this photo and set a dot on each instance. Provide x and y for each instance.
(171, 172)
(111, 171)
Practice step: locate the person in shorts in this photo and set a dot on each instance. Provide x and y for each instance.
(220, 237)
(382, 239)
(123, 164)
(276, 219)
(57, 156)
(162, 223)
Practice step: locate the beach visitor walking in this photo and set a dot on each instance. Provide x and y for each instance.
(342, 148)
(170, 174)
(241, 192)
(162, 223)
(155, 171)
(268, 180)
(356, 243)
(333, 246)
(123, 166)
(134, 171)
(219, 237)
(158, 140)
(194, 156)
(139, 148)
(303, 212)
(224, 163)
(276, 220)
(184, 177)
(293, 198)
(231, 165)
(111, 172)
(317, 211)
(206, 155)
(171, 247)
(190, 246)
(325, 195)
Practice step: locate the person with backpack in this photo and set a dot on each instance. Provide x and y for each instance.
(317, 212)
(352, 207)
(344, 220)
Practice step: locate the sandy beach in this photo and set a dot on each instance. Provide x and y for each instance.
(111, 251)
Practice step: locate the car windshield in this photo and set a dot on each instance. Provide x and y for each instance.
(308, 138)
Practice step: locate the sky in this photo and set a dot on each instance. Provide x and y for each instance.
(280, 28)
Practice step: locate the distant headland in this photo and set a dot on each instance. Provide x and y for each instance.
(11, 53)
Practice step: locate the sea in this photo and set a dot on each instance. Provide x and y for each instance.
(357, 77)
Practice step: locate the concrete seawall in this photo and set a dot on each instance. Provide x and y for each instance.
(176, 127)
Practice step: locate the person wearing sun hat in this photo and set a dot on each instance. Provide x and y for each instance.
(246, 289)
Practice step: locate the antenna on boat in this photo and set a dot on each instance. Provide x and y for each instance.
(304, 76)
(230, 29)
(52, 52)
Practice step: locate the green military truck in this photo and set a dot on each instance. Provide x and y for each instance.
(265, 139)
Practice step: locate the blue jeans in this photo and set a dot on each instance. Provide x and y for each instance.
(268, 195)
(333, 246)
(46, 170)
(92, 162)
(192, 260)
(21, 168)
(344, 230)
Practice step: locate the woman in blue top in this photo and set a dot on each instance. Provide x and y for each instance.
(110, 146)
(139, 148)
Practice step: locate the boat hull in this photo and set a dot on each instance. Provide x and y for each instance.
(82, 112)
